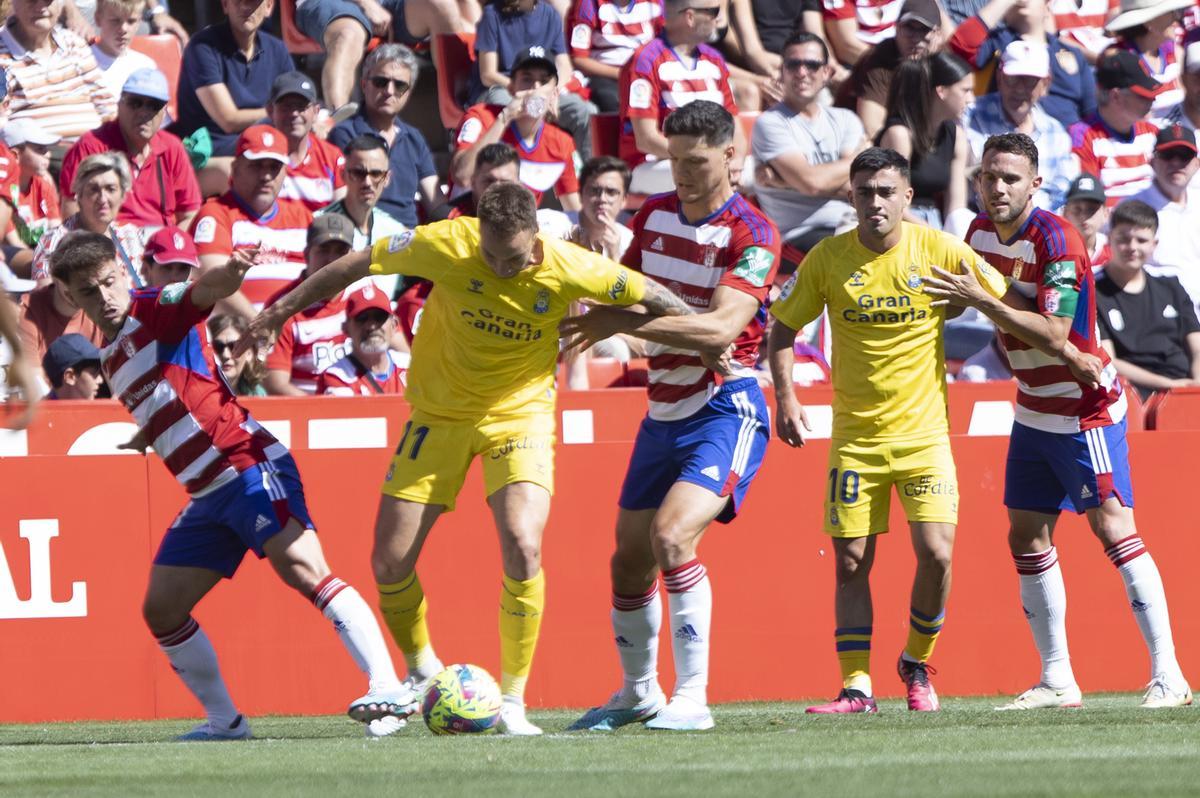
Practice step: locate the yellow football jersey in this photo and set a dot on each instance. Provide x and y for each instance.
(889, 364)
(487, 346)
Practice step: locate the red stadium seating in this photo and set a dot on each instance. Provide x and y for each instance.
(452, 57)
(167, 53)
(297, 43)
(1173, 410)
(606, 130)
(605, 372)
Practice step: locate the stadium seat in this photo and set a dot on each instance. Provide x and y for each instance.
(748, 118)
(606, 129)
(452, 57)
(297, 43)
(605, 372)
(1173, 410)
(167, 53)
(637, 372)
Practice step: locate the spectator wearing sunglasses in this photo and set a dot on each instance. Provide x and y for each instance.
(1151, 29)
(243, 372)
(314, 170)
(388, 74)
(164, 191)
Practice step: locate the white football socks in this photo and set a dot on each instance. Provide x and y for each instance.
(689, 596)
(192, 656)
(1044, 598)
(1144, 588)
(636, 621)
(358, 630)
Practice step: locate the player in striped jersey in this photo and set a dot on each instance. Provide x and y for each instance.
(706, 433)
(245, 490)
(1068, 449)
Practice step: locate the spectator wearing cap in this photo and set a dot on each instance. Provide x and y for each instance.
(854, 26)
(100, 185)
(1086, 208)
(803, 149)
(389, 72)
(1147, 323)
(228, 70)
(1116, 142)
(366, 174)
(1021, 82)
(169, 258)
(648, 81)
(345, 26)
(1187, 111)
(982, 38)
(37, 208)
(164, 190)
(1150, 29)
(252, 214)
(919, 32)
(313, 339)
(314, 170)
(72, 366)
(51, 74)
(370, 366)
(117, 21)
(1177, 251)
(604, 34)
(547, 152)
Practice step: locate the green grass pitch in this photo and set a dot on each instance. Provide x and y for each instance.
(1111, 747)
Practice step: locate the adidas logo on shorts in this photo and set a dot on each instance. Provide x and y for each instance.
(261, 523)
(712, 472)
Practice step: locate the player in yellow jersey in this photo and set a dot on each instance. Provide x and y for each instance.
(481, 384)
(890, 425)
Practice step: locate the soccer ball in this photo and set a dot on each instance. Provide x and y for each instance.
(462, 699)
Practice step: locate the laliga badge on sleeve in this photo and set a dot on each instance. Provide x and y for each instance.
(639, 94)
(399, 242)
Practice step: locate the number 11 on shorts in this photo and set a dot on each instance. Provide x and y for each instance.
(848, 489)
(418, 435)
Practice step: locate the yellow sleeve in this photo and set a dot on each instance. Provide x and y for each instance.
(411, 253)
(802, 298)
(596, 277)
(992, 281)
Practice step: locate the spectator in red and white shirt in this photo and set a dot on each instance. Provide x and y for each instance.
(314, 170)
(853, 26)
(547, 152)
(169, 258)
(1081, 23)
(51, 74)
(371, 367)
(37, 200)
(1116, 142)
(252, 214)
(668, 73)
(1152, 31)
(164, 191)
(604, 36)
(313, 339)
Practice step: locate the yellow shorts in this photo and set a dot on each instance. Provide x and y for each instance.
(861, 475)
(432, 459)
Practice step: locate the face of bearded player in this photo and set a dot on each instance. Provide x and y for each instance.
(1006, 184)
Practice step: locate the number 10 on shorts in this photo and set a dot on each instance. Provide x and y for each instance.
(845, 488)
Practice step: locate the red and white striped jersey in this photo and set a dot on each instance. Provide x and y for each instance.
(1121, 162)
(345, 378)
(610, 32)
(1081, 22)
(313, 181)
(656, 81)
(312, 340)
(735, 246)
(225, 224)
(876, 18)
(160, 367)
(546, 164)
(1169, 56)
(1047, 262)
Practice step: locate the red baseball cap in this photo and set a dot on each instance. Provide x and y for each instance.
(172, 245)
(259, 142)
(366, 298)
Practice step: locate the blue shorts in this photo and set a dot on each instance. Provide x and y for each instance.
(214, 531)
(1048, 472)
(314, 16)
(720, 448)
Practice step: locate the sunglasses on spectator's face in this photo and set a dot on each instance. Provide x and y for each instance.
(711, 13)
(359, 173)
(381, 83)
(221, 347)
(810, 64)
(137, 103)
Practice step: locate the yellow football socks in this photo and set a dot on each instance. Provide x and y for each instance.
(403, 606)
(923, 633)
(854, 657)
(521, 605)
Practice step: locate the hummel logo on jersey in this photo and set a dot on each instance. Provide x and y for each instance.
(261, 523)
(712, 472)
(1139, 605)
(856, 279)
(1086, 493)
(623, 643)
(476, 286)
(657, 246)
(688, 632)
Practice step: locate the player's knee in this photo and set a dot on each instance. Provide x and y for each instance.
(936, 558)
(161, 616)
(851, 566)
(522, 558)
(388, 568)
(630, 571)
(673, 543)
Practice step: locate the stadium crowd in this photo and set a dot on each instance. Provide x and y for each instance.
(568, 97)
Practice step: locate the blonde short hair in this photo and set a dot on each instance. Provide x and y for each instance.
(100, 163)
(128, 8)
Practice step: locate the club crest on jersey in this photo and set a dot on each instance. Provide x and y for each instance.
(833, 517)
(710, 257)
(914, 277)
(542, 303)
(856, 278)
(1018, 265)
(128, 346)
